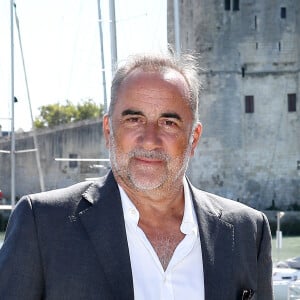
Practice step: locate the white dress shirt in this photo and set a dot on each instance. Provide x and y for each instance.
(183, 278)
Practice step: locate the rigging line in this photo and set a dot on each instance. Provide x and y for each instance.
(38, 160)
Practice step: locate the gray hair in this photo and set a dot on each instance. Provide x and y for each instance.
(186, 64)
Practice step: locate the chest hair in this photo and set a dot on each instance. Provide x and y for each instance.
(164, 244)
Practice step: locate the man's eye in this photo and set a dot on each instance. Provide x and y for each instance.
(133, 120)
(168, 123)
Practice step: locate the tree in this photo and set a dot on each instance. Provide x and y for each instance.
(56, 114)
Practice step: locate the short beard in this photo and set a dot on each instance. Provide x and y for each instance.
(121, 166)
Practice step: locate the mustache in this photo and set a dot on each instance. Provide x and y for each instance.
(152, 154)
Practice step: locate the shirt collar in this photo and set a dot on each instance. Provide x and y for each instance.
(189, 221)
(131, 214)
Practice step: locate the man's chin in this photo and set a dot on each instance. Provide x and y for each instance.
(146, 185)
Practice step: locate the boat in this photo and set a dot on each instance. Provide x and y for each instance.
(286, 279)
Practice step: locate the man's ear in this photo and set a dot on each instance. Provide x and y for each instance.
(106, 129)
(196, 137)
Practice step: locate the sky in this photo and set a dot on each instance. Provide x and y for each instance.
(61, 47)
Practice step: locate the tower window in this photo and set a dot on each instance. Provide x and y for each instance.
(292, 99)
(227, 4)
(73, 164)
(249, 104)
(283, 12)
(243, 69)
(236, 5)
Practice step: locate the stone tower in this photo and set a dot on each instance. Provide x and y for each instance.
(250, 52)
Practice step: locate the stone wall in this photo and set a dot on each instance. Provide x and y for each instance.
(82, 139)
(252, 51)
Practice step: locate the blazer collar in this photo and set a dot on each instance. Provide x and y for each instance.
(217, 244)
(104, 223)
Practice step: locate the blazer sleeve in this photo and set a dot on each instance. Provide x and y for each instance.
(264, 260)
(21, 274)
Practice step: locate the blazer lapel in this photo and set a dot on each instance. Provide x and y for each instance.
(104, 223)
(217, 244)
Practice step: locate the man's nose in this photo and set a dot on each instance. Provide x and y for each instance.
(150, 137)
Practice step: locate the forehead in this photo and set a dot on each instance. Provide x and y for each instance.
(139, 77)
(159, 88)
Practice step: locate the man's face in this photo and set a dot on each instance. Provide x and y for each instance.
(150, 134)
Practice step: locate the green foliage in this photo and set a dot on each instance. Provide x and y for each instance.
(56, 114)
(289, 227)
(294, 207)
(273, 206)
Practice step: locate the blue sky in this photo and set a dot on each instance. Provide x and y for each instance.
(61, 46)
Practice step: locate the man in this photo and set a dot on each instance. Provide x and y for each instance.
(143, 231)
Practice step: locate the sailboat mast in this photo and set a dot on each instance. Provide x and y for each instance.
(113, 35)
(177, 26)
(12, 137)
(102, 56)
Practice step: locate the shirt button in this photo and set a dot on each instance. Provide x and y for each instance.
(132, 211)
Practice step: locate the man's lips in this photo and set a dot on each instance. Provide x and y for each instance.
(148, 160)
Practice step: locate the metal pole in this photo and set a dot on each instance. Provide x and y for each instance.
(102, 56)
(177, 27)
(113, 35)
(37, 152)
(12, 137)
(279, 234)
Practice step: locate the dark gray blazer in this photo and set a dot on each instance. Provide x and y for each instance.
(71, 244)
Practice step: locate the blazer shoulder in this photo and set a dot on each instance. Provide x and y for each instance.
(67, 197)
(226, 209)
(60, 194)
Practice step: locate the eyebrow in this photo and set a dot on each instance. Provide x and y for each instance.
(129, 112)
(132, 112)
(171, 115)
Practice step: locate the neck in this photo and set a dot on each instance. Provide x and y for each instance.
(160, 201)
(161, 213)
